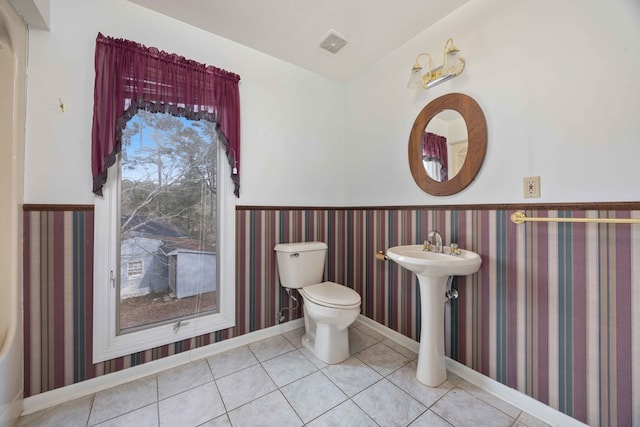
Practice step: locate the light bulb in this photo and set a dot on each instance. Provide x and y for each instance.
(415, 81)
(452, 65)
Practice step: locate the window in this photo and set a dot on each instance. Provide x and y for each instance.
(135, 269)
(165, 262)
(130, 77)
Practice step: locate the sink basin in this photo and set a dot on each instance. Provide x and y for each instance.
(424, 263)
(433, 270)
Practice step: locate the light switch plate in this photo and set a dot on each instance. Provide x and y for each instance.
(531, 187)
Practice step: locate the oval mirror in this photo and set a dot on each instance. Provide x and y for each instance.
(444, 145)
(450, 180)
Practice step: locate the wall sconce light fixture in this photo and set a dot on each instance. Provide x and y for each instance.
(452, 66)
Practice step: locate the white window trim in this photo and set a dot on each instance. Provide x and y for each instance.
(107, 344)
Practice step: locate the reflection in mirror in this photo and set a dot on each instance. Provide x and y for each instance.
(444, 145)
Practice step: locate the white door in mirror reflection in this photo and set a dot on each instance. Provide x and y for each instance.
(458, 152)
(444, 145)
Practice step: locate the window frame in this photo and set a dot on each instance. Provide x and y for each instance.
(107, 344)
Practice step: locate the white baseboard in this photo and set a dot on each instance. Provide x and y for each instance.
(103, 382)
(391, 334)
(514, 397)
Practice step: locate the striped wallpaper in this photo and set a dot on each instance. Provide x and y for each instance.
(554, 311)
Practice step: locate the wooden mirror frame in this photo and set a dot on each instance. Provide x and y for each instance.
(477, 147)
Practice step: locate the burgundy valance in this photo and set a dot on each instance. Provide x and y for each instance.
(130, 76)
(434, 148)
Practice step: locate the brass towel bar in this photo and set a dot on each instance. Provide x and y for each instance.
(520, 217)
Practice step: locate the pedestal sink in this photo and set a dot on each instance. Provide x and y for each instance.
(432, 270)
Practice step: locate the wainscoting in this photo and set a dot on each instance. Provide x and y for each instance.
(554, 311)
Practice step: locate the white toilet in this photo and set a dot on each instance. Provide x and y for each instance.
(329, 308)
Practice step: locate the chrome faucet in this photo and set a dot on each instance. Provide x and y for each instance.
(437, 245)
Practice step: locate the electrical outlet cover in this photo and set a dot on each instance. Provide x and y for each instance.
(531, 187)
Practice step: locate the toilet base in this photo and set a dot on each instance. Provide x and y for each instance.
(329, 342)
(331, 355)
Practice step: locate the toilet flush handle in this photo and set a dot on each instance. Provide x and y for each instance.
(294, 254)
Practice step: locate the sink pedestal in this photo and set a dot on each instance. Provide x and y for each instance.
(433, 270)
(432, 370)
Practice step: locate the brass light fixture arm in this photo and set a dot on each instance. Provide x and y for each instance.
(426, 78)
(445, 50)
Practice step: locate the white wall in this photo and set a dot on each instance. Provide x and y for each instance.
(557, 81)
(292, 126)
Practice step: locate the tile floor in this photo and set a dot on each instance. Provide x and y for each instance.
(276, 382)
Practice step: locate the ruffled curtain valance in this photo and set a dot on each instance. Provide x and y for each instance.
(434, 149)
(130, 76)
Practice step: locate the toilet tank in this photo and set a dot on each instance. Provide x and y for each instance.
(300, 264)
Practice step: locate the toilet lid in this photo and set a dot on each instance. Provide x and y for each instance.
(331, 295)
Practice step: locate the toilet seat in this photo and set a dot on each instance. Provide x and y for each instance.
(332, 295)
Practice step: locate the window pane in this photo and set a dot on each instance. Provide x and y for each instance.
(168, 245)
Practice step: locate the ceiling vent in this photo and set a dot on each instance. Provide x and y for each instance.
(333, 42)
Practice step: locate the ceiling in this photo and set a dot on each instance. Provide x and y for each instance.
(293, 29)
